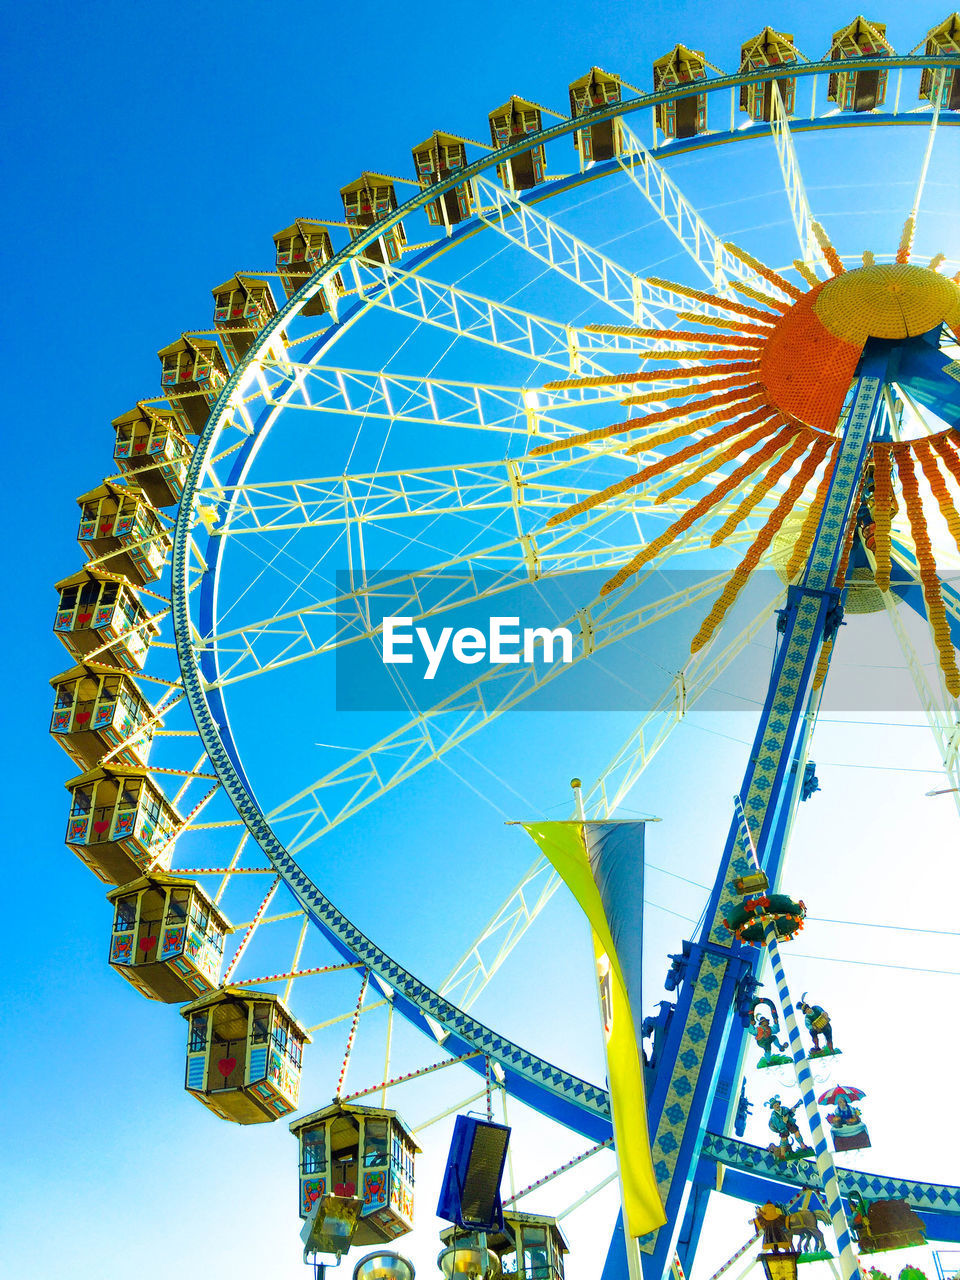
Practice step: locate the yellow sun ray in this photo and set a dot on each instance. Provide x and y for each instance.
(800, 443)
(760, 544)
(936, 613)
(749, 392)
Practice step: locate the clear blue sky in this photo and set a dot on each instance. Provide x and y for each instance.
(151, 153)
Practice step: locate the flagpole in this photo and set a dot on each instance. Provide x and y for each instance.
(634, 1269)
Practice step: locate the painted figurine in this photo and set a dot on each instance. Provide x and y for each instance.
(765, 1033)
(818, 1024)
(846, 1124)
(783, 1123)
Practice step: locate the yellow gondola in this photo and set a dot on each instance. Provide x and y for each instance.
(121, 824)
(167, 937)
(153, 452)
(96, 610)
(94, 711)
(193, 373)
(348, 1150)
(849, 88)
(242, 305)
(244, 1054)
(370, 198)
(768, 49)
(596, 89)
(302, 249)
(508, 124)
(686, 116)
(437, 157)
(121, 529)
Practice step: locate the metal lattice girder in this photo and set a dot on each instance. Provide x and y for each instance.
(697, 1032)
(425, 401)
(468, 315)
(505, 929)
(435, 730)
(573, 258)
(706, 249)
(932, 1198)
(810, 250)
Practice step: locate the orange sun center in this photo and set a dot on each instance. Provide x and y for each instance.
(810, 358)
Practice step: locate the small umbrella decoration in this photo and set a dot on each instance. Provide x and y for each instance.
(846, 1125)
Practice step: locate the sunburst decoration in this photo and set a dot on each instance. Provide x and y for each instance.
(772, 374)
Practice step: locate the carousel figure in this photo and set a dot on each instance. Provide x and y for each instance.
(846, 1124)
(818, 1023)
(765, 1033)
(783, 1123)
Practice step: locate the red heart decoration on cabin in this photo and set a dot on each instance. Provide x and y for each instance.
(139, 446)
(106, 526)
(81, 717)
(145, 944)
(345, 1189)
(225, 1066)
(101, 827)
(83, 619)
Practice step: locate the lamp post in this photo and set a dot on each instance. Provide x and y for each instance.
(780, 1264)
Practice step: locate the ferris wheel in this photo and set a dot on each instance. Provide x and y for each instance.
(570, 400)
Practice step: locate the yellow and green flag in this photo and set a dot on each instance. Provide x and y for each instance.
(602, 865)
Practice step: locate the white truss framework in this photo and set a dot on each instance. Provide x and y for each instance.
(573, 258)
(470, 315)
(676, 212)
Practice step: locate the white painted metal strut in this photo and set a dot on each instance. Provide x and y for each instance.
(810, 250)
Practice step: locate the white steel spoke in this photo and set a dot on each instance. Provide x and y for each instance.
(810, 250)
(936, 95)
(468, 315)
(676, 212)
(572, 257)
(505, 929)
(437, 729)
(324, 625)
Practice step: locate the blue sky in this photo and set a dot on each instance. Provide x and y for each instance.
(151, 154)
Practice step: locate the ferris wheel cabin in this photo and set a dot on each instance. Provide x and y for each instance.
(365, 201)
(596, 89)
(508, 124)
(119, 525)
(95, 611)
(854, 90)
(302, 249)
(153, 453)
(193, 373)
(943, 39)
(244, 1054)
(435, 159)
(95, 711)
(348, 1150)
(686, 116)
(121, 824)
(768, 49)
(167, 937)
(241, 307)
(531, 1246)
